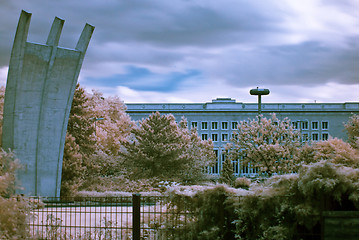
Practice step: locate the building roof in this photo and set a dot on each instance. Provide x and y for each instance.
(229, 104)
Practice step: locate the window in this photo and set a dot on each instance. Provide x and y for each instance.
(236, 167)
(224, 125)
(325, 125)
(305, 137)
(234, 125)
(315, 125)
(214, 125)
(305, 124)
(204, 126)
(204, 136)
(300, 124)
(325, 136)
(194, 124)
(244, 168)
(215, 168)
(315, 136)
(215, 137)
(224, 137)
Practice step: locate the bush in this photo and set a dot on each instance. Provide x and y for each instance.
(120, 183)
(282, 207)
(227, 172)
(14, 210)
(212, 210)
(290, 206)
(242, 182)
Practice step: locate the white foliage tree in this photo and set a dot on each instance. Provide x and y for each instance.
(271, 145)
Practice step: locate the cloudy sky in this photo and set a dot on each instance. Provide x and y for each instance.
(198, 50)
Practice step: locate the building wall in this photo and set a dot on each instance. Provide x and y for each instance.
(316, 121)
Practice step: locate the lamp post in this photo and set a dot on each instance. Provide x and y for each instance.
(259, 92)
(95, 119)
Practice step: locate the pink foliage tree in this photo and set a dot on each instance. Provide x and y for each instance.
(271, 145)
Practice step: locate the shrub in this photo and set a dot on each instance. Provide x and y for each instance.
(120, 183)
(212, 210)
(227, 172)
(14, 210)
(290, 206)
(282, 207)
(242, 182)
(336, 151)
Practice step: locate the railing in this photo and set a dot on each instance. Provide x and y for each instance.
(136, 217)
(133, 217)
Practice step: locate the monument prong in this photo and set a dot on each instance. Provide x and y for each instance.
(85, 37)
(14, 72)
(55, 32)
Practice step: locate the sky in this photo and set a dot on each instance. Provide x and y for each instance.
(198, 50)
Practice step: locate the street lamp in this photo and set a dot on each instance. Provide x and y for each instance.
(259, 92)
(95, 119)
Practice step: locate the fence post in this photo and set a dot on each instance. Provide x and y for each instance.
(136, 216)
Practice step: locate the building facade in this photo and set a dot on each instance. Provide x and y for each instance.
(218, 119)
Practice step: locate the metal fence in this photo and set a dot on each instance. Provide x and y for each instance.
(133, 217)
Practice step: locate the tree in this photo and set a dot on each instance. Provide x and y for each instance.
(79, 143)
(227, 172)
(334, 150)
(158, 147)
(115, 125)
(91, 147)
(352, 128)
(199, 153)
(73, 169)
(2, 97)
(269, 145)
(80, 124)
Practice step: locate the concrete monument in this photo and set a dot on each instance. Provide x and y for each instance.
(39, 92)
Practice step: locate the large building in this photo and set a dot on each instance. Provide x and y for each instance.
(217, 120)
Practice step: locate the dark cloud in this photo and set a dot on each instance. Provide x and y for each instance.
(308, 63)
(160, 23)
(240, 42)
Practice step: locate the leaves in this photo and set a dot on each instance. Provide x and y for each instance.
(92, 145)
(352, 128)
(269, 144)
(158, 147)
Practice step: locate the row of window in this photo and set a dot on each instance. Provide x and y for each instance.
(238, 167)
(225, 137)
(302, 125)
(214, 125)
(214, 137)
